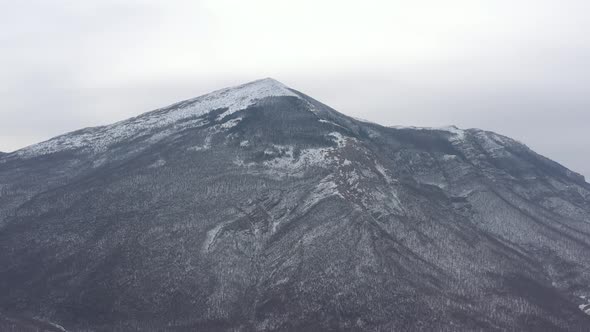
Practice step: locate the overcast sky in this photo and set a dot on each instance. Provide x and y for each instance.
(520, 68)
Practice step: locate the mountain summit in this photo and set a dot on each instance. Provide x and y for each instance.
(258, 208)
(101, 138)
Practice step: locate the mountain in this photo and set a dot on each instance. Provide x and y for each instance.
(258, 208)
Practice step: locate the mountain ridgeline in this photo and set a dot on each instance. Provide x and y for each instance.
(257, 208)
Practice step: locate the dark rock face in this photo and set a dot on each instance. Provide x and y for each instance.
(278, 213)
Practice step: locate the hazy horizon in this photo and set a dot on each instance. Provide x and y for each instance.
(517, 69)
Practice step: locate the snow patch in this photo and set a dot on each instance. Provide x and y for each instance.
(52, 324)
(457, 134)
(326, 188)
(231, 123)
(203, 147)
(284, 161)
(492, 144)
(331, 123)
(288, 164)
(585, 308)
(383, 173)
(338, 138)
(158, 163)
(212, 236)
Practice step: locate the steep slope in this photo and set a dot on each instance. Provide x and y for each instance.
(259, 208)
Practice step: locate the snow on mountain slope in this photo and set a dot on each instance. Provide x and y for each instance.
(100, 138)
(237, 212)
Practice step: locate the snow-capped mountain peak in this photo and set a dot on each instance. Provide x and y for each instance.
(240, 97)
(231, 99)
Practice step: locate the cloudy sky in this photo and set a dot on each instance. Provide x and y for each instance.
(520, 68)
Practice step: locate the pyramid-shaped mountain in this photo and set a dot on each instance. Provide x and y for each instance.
(258, 208)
